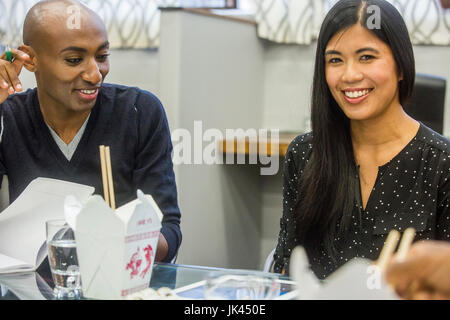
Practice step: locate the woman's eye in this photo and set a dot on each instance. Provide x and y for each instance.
(334, 60)
(367, 57)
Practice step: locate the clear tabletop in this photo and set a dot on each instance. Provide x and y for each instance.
(39, 285)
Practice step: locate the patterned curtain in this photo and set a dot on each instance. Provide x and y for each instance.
(298, 21)
(135, 23)
(130, 23)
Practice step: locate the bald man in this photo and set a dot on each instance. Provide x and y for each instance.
(55, 130)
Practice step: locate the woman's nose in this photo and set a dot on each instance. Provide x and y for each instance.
(352, 73)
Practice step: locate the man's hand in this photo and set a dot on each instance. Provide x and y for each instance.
(9, 73)
(424, 273)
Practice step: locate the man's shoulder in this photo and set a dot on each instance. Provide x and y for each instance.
(118, 91)
(134, 104)
(127, 96)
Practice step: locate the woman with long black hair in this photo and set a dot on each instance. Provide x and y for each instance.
(366, 167)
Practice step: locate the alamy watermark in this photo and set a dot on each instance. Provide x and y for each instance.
(374, 17)
(375, 277)
(237, 146)
(73, 22)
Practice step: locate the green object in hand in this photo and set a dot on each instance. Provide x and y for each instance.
(9, 56)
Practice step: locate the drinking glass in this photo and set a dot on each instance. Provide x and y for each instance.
(62, 257)
(241, 287)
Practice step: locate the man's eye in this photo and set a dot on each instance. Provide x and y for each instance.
(73, 60)
(103, 57)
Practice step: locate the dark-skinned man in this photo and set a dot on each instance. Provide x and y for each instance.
(55, 130)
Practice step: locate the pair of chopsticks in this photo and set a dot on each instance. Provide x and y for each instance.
(108, 186)
(391, 244)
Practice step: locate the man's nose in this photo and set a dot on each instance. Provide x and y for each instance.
(92, 73)
(352, 73)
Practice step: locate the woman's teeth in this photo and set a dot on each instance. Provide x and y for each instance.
(356, 94)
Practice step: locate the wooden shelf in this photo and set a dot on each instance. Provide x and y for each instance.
(251, 146)
(212, 13)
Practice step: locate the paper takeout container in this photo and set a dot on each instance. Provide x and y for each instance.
(358, 279)
(116, 249)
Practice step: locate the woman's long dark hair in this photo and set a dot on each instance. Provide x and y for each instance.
(328, 185)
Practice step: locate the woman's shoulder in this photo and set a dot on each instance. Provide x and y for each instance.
(299, 150)
(301, 142)
(432, 139)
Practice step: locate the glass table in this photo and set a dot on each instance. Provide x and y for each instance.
(39, 285)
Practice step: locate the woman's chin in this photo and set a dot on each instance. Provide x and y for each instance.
(358, 115)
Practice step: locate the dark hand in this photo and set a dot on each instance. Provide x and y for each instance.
(163, 248)
(9, 73)
(424, 273)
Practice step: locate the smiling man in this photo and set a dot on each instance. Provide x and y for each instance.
(55, 130)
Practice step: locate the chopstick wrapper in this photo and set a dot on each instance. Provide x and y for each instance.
(116, 248)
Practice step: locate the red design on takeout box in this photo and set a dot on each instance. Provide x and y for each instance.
(141, 236)
(135, 263)
(148, 258)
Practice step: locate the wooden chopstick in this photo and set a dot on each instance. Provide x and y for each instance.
(405, 244)
(108, 186)
(388, 249)
(391, 244)
(104, 174)
(112, 200)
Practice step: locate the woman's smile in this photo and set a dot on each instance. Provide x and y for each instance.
(357, 95)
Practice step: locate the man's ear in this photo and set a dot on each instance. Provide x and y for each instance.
(32, 64)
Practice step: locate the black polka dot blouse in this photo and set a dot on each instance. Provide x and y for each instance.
(411, 190)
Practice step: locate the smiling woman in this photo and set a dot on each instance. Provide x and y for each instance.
(357, 62)
(367, 167)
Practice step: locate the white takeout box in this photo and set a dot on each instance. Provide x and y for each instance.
(358, 279)
(116, 249)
